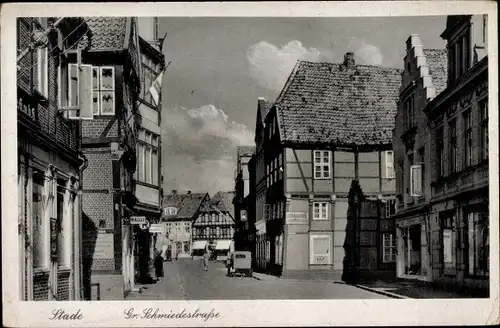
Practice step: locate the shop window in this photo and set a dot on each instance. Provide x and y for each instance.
(187, 247)
(322, 164)
(478, 241)
(447, 241)
(39, 224)
(320, 211)
(388, 248)
(320, 249)
(64, 227)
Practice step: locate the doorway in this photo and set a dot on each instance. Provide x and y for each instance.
(412, 250)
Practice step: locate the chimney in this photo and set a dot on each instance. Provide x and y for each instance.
(349, 59)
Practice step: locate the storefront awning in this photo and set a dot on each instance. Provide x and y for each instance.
(223, 244)
(199, 244)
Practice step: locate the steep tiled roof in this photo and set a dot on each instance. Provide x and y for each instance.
(332, 103)
(437, 59)
(108, 33)
(246, 150)
(222, 201)
(187, 204)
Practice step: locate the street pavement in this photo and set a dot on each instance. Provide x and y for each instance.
(185, 280)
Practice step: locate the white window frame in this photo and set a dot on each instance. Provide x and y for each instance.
(101, 90)
(46, 213)
(389, 165)
(324, 174)
(322, 211)
(43, 79)
(312, 254)
(416, 187)
(389, 252)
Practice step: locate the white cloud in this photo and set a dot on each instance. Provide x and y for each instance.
(199, 149)
(270, 65)
(366, 53)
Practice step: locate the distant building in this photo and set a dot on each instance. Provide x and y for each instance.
(258, 185)
(50, 164)
(215, 224)
(330, 125)
(179, 213)
(244, 200)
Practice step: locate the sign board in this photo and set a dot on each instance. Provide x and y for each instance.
(54, 239)
(104, 246)
(137, 220)
(297, 218)
(157, 228)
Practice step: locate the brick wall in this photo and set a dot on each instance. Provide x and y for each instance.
(94, 128)
(63, 288)
(41, 288)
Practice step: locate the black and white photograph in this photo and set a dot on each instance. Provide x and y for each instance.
(239, 158)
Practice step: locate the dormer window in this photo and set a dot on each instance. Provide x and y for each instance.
(170, 211)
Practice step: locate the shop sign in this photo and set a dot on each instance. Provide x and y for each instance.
(297, 218)
(138, 220)
(157, 228)
(54, 231)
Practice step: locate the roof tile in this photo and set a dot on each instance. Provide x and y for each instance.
(108, 33)
(333, 103)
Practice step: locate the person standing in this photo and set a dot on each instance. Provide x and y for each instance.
(206, 257)
(158, 266)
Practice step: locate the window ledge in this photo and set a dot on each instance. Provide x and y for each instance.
(63, 269)
(40, 271)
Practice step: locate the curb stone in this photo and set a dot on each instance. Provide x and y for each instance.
(381, 292)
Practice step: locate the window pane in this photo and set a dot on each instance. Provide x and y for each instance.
(107, 103)
(147, 164)
(107, 79)
(61, 218)
(320, 246)
(73, 85)
(95, 102)
(154, 167)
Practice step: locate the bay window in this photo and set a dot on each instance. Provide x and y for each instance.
(148, 157)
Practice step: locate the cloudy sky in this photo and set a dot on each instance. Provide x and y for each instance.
(220, 66)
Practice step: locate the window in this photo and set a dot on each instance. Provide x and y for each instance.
(320, 249)
(390, 207)
(440, 151)
(187, 228)
(39, 224)
(178, 228)
(409, 112)
(322, 164)
(459, 55)
(389, 164)
(140, 162)
(421, 154)
(267, 211)
(320, 211)
(453, 146)
(41, 83)
(478, 241)
(147, 164)
(170, 211)
(280, 166)
(468, 138)
(483, 112)
(103, 90)
(388, 248)
(416, 181)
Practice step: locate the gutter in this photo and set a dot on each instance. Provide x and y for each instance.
(81, 168)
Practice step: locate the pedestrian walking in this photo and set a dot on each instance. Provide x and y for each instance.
(158, 266)
(206, 257)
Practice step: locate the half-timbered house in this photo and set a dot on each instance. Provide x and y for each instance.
(330, 125)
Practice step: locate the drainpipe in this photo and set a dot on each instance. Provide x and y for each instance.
(82, 167)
